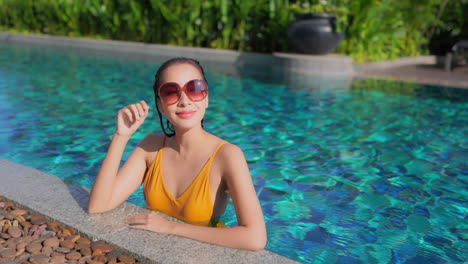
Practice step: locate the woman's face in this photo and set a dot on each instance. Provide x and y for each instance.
(184, 114)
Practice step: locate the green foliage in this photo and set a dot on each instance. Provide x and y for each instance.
(375, 30)
(452, 18)
(387, 29)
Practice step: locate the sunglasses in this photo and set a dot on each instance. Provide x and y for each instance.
(196, 90)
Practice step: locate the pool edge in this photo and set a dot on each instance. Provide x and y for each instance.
(332, 65)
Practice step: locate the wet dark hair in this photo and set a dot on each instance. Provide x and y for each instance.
(158, 83)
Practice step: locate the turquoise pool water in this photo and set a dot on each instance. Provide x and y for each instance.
(371, 173)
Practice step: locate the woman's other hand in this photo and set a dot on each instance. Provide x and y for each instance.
(131, 117)
(150, 221)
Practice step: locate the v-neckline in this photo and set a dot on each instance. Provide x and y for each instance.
(191, 184)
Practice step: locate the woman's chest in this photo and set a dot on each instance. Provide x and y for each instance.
(181, 176)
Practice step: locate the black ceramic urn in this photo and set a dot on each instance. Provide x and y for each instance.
(314, 34)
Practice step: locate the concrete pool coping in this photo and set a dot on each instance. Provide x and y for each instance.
(422, 69)
(288, 68)
(66, 203)
(228, 61)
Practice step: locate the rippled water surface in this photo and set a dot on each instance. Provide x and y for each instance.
(371, 173)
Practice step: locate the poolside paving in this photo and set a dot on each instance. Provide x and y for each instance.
(424, 69)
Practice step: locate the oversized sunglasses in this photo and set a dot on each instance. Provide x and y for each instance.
(196, 90)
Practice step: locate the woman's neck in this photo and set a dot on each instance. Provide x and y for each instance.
(186, 141)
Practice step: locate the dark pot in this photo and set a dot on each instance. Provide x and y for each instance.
(314, 34)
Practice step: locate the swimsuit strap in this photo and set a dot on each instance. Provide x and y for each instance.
(217, 149)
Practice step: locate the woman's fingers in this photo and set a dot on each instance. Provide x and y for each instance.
(131, 117)
(129, 114)
(145, 106)
(151, 221)
(138, 221)
(141, 112)
(138, 217)
(135, 112)
(139, 226)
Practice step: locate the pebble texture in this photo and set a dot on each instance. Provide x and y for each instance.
(66, 203)
(25, 239)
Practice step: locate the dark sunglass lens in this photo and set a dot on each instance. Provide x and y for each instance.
(197, 90)
(169, 93)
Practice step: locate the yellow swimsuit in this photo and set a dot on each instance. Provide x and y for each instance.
(194, 206)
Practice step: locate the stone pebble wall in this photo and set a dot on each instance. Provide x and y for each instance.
(26, 238)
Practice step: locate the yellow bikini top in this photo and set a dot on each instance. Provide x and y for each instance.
(194, 206)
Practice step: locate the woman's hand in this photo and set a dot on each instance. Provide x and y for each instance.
(150, 221)
(131, 117)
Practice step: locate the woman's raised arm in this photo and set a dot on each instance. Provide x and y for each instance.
(112, 186)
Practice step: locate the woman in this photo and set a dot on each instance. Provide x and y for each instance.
(186, 174)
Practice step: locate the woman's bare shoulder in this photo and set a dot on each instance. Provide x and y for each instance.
(232, 163)
(152, 142)
(230, 151)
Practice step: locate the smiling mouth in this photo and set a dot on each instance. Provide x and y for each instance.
(186, 114)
